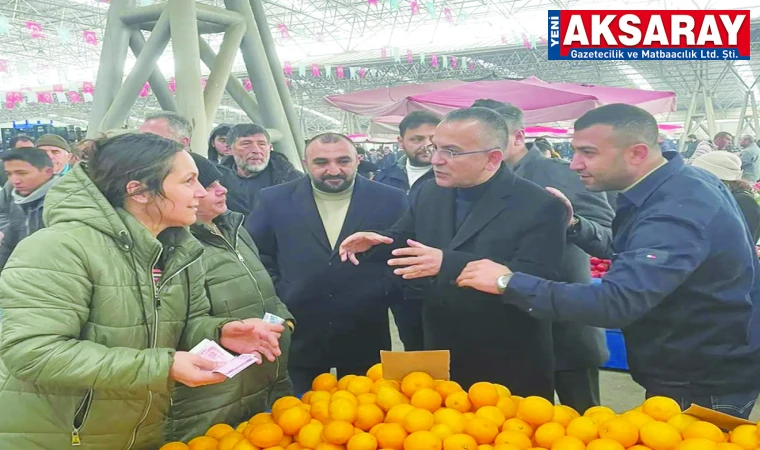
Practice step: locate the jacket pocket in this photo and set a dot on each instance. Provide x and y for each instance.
(80, 418)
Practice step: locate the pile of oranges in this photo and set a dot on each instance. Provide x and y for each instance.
(420, 413)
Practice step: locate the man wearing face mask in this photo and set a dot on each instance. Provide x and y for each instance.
(341, 309)
(253, 161)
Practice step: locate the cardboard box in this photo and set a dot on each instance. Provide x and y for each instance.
(397, 365)
(718, 419)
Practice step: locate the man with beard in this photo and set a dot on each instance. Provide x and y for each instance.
(341, 309)
(255, 164)
(416, 132)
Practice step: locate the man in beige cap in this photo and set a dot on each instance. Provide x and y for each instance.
(58, 150)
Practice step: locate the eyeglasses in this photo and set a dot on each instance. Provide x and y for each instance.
(448, 154)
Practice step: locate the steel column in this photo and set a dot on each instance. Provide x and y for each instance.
(157, 80)
(220, 74)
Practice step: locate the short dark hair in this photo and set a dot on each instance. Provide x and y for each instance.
(19, 138)
(244, 130)
(633, 124)
(511, 114)
(33, 155)
(723, 134)
(692, 136)
(493, 122)
(416, 119)
(331, 138)
(178, 124)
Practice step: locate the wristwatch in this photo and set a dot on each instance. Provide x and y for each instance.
(503, 281)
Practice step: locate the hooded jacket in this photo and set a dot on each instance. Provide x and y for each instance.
(88, 337)
(213, 154)
(238, 287)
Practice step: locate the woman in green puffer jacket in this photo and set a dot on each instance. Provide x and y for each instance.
(100, 307)
(238, 286)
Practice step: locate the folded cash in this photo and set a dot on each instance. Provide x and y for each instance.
(232, 365)
(271, 318)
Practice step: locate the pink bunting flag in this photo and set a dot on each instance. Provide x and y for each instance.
(57, 88)
(362, 73)
(543, 40)
(35, 30)
(173, 85)
(447, 14)
(287, 68)
(3, 66)
(434, 61)
(145, 91)
(315, 70)
(284, 33)
(18, 97)
(409, 57)
(372, 2)
(471, 64)
(10, 97)
(453, 62)
(415, 7)
(384, 52)
(10, 104)
(504, 39)
(90, 37)
(74, 97)
(204, 81)
(339, 72)
(88, 88)
(44, 97)
(248, 85)
(526, 41)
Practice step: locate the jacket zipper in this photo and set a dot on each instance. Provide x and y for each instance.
(85, 405)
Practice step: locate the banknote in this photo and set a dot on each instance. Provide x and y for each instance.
(234, 367)
(271, 318)
(212, 351)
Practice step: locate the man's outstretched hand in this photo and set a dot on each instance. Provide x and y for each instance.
(360, 243)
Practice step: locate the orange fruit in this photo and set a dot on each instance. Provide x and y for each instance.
(515, 438)
(517, 399)
(601, 416)
(729, 446)
(459, 401)
(596, 409)
(292, 420)
(230, 440)
(245, 445)
(418, 420)
(568, 443)
(491, 413)
(389, 383)
(310, 435)
(260, 418)
(387, 398)
(337, 432)
(367, 399)
(639, 446)
(375, 372)
(391, 436)
(397, 413)
(367, 416)
(620, 430)
(285, 441)
(484, 431)
(174, 446)
(483, 394)
(343, 382)
(584, 428)
(306, 398)
(241, 426)
(564, 414)
(318, 396)
(344, 395)
(328, 446)
(283, 403)
(506, 447)
(745, 436)
(705, 430)
(604, 444)
(203, 443)
(451, 418)
(680, 421)
(423, 440)
(549, 433)
(520, 425)
(442, 431)
(659, 436)
(503, 390)
(485, 447)
(460, 442)
(321, 411)
(469, 415)
(507, 407)
(535, 410)
(661, 408)
(427, 399)
(360, 385)
(266, 435)
(698, 444)
(362, 441)
(293, 446)
(637, 418)
(219, 430)
(414, 382)
(446, 388)
(342, 409)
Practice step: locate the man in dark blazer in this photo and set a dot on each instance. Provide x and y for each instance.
(341, 310)
(579, 350)
(476, 207)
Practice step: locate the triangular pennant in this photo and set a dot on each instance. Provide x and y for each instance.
(64, 34)
(397, 55)
(5, 25)
(395, 5)
(328, 71)
(430, 7)
(302, 70)
(422, 58)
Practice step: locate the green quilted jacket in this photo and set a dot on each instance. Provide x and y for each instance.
(238, 287)
(88, 338)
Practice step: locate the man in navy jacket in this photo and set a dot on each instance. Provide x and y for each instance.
(684, 282)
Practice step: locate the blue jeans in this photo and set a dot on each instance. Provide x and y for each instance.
(737, 405)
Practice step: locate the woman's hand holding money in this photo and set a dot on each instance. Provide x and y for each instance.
(251, 336)
(194, 370)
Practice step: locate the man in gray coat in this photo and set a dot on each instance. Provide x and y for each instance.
(579, 350)
(750, 159)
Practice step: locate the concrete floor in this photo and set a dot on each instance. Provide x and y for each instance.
(618, 390)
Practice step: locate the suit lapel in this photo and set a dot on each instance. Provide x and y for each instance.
(358, 209)
(489, 206)
(304, 199)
